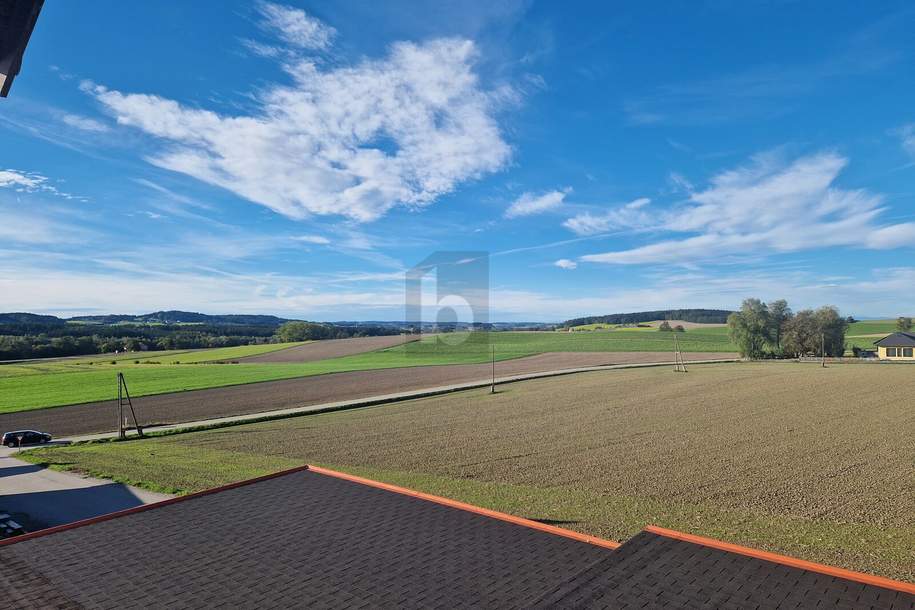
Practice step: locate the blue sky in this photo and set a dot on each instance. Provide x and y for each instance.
(298, 158)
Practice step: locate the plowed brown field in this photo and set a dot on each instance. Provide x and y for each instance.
(269, 395)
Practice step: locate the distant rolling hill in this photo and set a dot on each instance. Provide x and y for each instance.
(182, 317)
(698, 316)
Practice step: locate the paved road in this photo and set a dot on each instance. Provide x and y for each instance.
(197, 405)
(38, 497)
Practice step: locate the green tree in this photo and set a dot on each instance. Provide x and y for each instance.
(808, 332)
(799, 337)
(779, 313)
(831, 327)
(303, 331)
(750, 328)
(904, 324)
(665, 326)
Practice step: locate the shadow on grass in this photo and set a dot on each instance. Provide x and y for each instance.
(555, 521)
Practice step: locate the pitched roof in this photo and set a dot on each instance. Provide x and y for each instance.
(899, 339)
(313, 536)
(17, 19)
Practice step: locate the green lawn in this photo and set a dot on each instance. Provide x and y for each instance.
(872, 327)
(782, 456)
(219, 353)
(57, 383)
(27, 392)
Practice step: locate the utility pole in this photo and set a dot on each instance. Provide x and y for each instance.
(492, 388)
(122, 421)
(121, 433)
(679, 362)
(823, 348)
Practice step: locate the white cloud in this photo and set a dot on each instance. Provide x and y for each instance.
(25, 180)
(295, 27)
(906, 134)
(23, 227)
(770, 206)
(312, 239)
(84, 123)
(864, 296)
(680, 182)
(630, 216)
(529, 204)
(32, 182)
(350, 140)
(564, 263)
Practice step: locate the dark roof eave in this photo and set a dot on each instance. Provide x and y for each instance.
(898, 339)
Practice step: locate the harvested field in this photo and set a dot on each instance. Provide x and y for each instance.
(58, 383)
(257, 397)
(331, 348)
(792, 458)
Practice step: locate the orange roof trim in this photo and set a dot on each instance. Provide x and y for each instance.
(867, 579)
(550, 529)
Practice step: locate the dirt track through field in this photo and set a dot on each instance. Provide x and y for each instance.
(331, 348)
(270, 395)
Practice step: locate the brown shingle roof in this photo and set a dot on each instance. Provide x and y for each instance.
(304, 537)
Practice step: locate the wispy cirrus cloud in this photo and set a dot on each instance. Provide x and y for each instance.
(770, 206)
(906, 135)
(529, 204)
(84, 123)
(350, 140)
(32, 182)
(295, 27)
(630, 216)
(564, 263)
(312, 239)
(764, 90)
(28, 181)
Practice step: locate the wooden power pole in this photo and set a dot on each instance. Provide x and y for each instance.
(123, 392)
(492, 351)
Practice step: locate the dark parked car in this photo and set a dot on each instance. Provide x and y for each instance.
(28, 437)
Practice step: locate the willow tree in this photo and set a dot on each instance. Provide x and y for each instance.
(750, 328)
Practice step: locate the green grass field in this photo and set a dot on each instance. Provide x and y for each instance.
(57, 383)
(219, 353)
(610, 327)
(872, 327)
(787, 457)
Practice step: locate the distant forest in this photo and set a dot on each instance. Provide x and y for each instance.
(699, 316)
(25, 335)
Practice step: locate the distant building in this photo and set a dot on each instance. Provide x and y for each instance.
(898, 346)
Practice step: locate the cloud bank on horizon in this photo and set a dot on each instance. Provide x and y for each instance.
(302, 157)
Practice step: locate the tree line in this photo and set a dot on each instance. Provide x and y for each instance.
(23, 338)
(699, 316)
(317, 331)
(772, 330)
